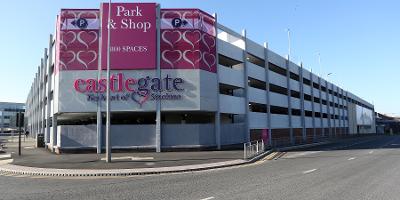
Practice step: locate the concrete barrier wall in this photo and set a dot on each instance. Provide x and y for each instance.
(187, 135)
(122, 136)
(232, 133)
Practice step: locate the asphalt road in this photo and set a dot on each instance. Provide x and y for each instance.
(367, 168)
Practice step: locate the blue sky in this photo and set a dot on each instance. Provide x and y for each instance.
(358, 40)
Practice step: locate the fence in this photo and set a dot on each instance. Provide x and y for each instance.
(254, 148)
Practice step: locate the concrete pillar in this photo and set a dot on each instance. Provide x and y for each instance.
(217, 117)
(54, 127)
(246, 87)
(292, 139)
(328, 108)
(312, 105)
(158, 103)
(268, 99)
(320, 107)
(303, 120)
(334, 111)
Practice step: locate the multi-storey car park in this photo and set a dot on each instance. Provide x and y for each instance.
(207, 87)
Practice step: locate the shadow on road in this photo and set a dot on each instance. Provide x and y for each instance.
(358, 143)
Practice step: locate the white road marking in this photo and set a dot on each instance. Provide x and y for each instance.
(295, 155)
(208, 198)
(149, 164)
(5, 156)
(371, 152)
(6, 161)
(29, 147)
(130, 158)
(309, 171)
(352, 158)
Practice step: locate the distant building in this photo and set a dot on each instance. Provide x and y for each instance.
(387, 124)
(8, 115)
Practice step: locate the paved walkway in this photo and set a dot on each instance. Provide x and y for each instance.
(38, 161)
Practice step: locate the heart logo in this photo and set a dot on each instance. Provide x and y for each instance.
(68, 38)
(69, 14)
(171, 56)
(139, 98)
(209, 60)
(193, 57)
(171, 37)
(208, 41)
(195, 37)
(88, 14)
(73, 57)
(68, 57)
(62, 44)
(86, 58)
(87, 38)
(62, 65)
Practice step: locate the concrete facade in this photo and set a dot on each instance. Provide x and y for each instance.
(254, 91)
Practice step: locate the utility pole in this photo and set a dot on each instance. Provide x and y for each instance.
(288, 34)
(19, 124)
(108, 141)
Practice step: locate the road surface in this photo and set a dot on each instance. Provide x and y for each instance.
(368, 168)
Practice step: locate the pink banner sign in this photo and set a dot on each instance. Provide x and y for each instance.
(77, 39)
(188, 40)
(133, 36)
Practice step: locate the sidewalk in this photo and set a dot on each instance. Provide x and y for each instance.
(38, 161)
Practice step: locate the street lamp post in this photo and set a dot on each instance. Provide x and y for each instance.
(108, 141)
(288, 34)
(327, 76)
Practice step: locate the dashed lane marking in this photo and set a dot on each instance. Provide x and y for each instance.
(309, 171)
(371, 152)
(208, 198)
(300, 154)
(352, 158)
(130, 158)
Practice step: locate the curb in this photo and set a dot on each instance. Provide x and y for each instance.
(5, 156)
(6, 167)
(33, 171)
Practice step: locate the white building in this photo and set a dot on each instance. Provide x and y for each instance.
(236, 91)
(8, 115)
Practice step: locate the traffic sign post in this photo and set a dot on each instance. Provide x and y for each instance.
(20, 122)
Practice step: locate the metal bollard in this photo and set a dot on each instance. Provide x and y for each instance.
(244, 151)
(257, 147)
(262, 145)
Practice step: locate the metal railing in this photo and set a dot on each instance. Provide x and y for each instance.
(252, 149)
